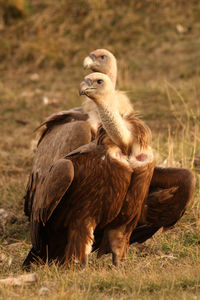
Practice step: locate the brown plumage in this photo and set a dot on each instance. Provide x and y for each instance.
(90, 188)
(121, 228)
(68, 127)
(170, 192)
(67, 130)
(174, 186)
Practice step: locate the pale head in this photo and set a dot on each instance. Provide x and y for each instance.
(97, 86)
(103, 61)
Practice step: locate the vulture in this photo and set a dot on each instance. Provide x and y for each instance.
(99, 186)
(65, 131)
(171, 189)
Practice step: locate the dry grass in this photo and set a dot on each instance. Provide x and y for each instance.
(159, 67)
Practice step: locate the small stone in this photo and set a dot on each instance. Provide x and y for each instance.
(180, 28)
(43, 291)
(45, 100)
(34, 77)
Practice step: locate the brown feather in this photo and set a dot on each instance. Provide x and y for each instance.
(167, 194)
(167, 212)
(129, 215)
(60, 118)
(71, 217)
(162, 179)
(140, 131)
(58, 140)
(171, 190)
(69, 208)
(52, 189)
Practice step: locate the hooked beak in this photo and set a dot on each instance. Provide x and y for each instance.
(82, 88)
(90, 62)
(87, 62)
(85, 87)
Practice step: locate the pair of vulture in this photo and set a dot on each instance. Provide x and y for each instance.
(94, 184)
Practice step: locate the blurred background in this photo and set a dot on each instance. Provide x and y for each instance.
(42, 47)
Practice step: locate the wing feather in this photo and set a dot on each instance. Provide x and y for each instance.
(52, 189)
(60, 140)
(170, 192)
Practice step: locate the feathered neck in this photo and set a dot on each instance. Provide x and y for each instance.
(112, 73)
(115, 126)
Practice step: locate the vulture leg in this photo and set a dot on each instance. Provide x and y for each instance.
(80, 240)
(170, 191)
(116, 242)
(113, 241)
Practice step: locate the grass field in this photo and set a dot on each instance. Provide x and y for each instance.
(157, 46)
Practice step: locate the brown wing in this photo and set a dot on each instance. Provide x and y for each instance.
(59, 118)
(64, 115)
(48, 194)
(47, 197)
(57, 181)
(170, 209)
(52, 189)
(57, 141)
(170, 192)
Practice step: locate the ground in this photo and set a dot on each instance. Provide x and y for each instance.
(157, 46)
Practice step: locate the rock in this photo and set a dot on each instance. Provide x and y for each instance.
(35, 77)
(180, 29)
(20, 280)
(43, 291)
(45, 100)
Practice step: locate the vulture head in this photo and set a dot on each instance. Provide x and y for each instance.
(103, 61)
(98, 87)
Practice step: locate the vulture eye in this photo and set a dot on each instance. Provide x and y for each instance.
(103, 57)
(99, 81)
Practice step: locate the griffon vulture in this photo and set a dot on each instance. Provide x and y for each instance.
(171, 188)
(67, 130)
(100, 185)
